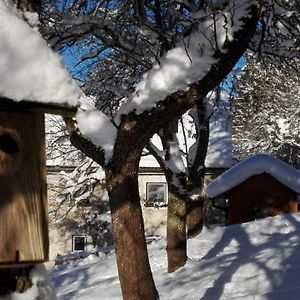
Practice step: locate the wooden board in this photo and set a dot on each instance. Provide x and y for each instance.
(23, 201)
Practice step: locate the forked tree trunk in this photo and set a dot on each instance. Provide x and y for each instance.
(128, 228)
(176, 179)
(196, 172)
(176, 228)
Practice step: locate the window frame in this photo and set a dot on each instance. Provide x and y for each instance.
(74, 236)
(150, 203)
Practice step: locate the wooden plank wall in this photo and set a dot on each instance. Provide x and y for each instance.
(23, 200)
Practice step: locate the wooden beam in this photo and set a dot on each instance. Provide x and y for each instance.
(37, 107)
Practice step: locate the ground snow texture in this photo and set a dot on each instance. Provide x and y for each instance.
(257, 260)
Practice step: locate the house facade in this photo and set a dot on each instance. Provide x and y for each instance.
(67, 232)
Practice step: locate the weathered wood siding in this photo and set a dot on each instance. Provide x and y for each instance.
(23, 201)
(259, 190)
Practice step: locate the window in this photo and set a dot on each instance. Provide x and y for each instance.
(78, 242)
(156, 193)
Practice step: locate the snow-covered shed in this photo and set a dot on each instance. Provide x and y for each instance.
(257, 187)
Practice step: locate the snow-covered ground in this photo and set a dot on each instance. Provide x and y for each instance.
(257, 260)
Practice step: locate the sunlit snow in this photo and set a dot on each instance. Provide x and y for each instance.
(189, 61)
(257, 260)
(29, 69)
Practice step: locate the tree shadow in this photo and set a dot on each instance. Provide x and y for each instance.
(75, 281)
(270, 276)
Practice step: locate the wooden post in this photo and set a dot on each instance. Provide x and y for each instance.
(23, 203)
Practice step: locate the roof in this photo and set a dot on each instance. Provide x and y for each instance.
(255, 165)
(30, 70)
(219, 151)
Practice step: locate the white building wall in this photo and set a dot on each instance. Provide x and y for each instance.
(155, 218)
(60, 235)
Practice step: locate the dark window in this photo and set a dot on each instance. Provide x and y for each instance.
(156, 193)
(78, 242)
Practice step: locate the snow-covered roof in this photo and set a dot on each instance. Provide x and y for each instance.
(29, 69)
(219, 151)
(255, 165)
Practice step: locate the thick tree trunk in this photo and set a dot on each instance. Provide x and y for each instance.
(128, 227)
(194, 220)
(176, 229)
(176, 217)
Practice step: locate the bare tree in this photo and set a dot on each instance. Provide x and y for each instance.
(266, 112)
(221, 31)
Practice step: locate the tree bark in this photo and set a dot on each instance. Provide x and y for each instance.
(121, 173)
(196, 173)
(127, 223)
(176, 218)
(176, 228)
(29, 5)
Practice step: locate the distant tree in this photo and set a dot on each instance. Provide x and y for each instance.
(266, 112)
(78, 191)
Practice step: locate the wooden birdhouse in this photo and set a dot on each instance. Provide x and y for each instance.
(23, 201)
(34, 84)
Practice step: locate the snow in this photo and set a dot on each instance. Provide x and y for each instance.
(257, 164)
(258, 260)
(32, 71)
(97, 127)
(188, 62)
(175, 163)
(29, 69)
(219, 151)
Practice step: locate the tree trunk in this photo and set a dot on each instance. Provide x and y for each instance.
(176, 179)
(176, 229)
(196, 172)
(128, 226)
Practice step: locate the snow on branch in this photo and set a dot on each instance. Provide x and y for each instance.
(98, 128)
(190, 60)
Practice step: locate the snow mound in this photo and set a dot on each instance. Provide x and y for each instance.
(257, 164)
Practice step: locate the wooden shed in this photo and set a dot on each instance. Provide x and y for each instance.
(257, 187)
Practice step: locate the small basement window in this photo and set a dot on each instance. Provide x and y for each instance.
(78, 242)
(156, 193)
